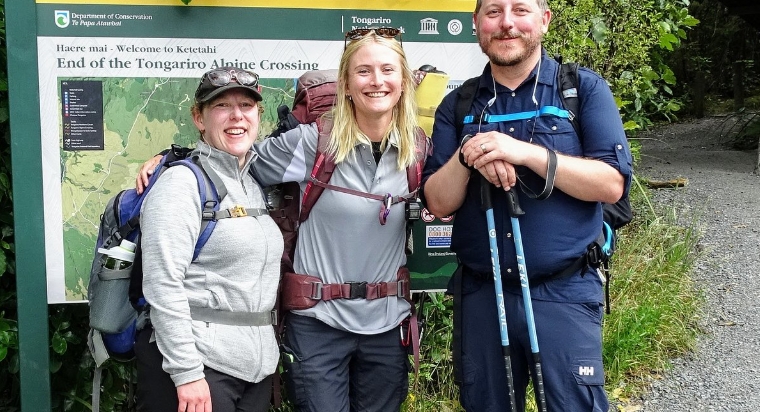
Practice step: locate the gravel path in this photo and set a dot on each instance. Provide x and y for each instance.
(723, 374)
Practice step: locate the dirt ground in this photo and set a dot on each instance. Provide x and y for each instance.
(723, 197)
(696, 145)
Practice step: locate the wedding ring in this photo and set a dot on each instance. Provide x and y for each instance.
(483, 148)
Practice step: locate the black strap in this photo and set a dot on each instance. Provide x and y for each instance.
(551, 172)
(606, 269)
(593, 258)
(465, 98)
(567, 78)
(456, 334)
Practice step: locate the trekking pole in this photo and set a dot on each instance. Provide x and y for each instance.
(513, 204)
(485, 196)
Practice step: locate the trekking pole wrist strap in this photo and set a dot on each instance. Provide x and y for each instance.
(461, 155)
(551, 172)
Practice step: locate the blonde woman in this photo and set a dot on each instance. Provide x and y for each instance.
(346, 354)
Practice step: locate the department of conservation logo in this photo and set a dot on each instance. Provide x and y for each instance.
(62, 18)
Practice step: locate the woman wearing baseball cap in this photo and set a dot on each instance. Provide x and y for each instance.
(211, 340)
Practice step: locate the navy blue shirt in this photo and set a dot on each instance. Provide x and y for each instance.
(557, 230)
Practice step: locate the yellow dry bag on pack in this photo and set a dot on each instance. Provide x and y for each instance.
(430, 92)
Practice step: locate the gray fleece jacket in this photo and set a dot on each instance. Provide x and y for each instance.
(237, 270)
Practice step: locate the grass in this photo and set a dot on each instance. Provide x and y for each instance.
(655, 306)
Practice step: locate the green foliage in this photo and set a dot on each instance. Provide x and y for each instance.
(72, 386)
(625, 42)
(434, 389)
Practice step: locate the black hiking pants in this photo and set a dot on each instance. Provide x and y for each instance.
(156, 391)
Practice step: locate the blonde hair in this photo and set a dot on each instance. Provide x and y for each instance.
(345, 133)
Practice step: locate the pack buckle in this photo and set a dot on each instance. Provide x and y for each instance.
(594, 255)
(238, 211)
(316, 290)
(357, 290)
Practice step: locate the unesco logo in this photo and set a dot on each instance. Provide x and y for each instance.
(62, 18)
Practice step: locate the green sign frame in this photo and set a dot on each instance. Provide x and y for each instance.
(31, 282)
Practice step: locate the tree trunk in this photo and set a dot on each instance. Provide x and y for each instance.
(698, 92)
(738, 85)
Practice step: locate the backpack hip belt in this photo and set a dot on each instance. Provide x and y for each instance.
(234, 318)
(305, 291)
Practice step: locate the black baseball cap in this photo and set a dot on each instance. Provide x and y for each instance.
(217, 81)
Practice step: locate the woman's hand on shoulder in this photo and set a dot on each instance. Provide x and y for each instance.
(146, 170)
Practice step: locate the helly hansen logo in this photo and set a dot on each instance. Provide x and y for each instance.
(586, 370)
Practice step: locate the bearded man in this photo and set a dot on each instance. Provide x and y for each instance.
(520, 138)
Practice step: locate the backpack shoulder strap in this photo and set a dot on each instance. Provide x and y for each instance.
(423, 147)
(567, 78)
(324, 166)
(211, 197)
(465, 97)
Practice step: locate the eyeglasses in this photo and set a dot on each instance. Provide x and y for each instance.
(219, 78)
(385, 32)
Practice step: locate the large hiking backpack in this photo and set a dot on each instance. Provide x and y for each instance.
(315, 96)
(615, 215)
(117, 306)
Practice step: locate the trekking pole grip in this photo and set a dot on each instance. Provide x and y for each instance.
(486, 199)
(513, 204)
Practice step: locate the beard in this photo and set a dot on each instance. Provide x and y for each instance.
(513, 55)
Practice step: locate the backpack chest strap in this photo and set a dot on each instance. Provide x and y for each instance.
(233, 318)
(531, 114)
(392, 200)
(237, 211)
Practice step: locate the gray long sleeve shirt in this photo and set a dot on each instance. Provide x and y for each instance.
(343, 240)
(238, 270)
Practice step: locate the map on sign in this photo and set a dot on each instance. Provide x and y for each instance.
(140, 117)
